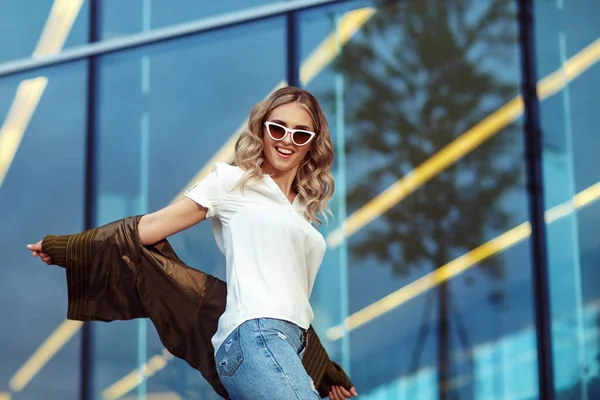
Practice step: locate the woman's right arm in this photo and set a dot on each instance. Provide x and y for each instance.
(176, 217)
(167, 221)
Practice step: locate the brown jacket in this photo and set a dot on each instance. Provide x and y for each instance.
(111, 276)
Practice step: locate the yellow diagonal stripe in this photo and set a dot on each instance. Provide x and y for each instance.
(398, 191)
(134, 378)
(320, 58)
(460, 264)
(26, 100)
(463, 145)
(224, 154)
(45, 352)
(326, 52)
(56, 30)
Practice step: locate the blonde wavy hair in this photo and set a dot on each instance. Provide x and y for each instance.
(314, 182)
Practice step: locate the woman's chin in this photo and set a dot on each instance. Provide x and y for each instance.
(282, 164)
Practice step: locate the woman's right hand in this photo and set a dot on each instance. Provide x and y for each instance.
(36, 250)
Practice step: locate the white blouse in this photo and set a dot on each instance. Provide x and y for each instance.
(272, 252)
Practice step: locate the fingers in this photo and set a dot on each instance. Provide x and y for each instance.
(36, 250)
(332, 395)
(341, 393)
(35, 247)
(335, 393)
(45, 257)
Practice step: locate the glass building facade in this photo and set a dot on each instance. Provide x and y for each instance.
(464, 199)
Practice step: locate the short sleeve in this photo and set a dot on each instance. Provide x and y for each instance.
(207, 193)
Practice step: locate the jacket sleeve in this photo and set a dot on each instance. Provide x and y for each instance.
(324, 372)
(56, 247)
(101, 273)
(111, 276)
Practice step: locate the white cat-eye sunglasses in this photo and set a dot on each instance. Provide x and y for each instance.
(300, 137)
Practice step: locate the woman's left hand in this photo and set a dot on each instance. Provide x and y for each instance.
(341, 393)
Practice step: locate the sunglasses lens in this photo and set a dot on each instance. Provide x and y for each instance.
(277, 132)
(301, 137)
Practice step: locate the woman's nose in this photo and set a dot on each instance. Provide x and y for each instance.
(287, 140)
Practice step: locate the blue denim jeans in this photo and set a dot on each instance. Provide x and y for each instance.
(262, 359)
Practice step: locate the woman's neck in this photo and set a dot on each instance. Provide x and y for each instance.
(283, 179)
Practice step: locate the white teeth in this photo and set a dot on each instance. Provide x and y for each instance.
(284, 151)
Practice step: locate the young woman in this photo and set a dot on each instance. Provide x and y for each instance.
(263, 209)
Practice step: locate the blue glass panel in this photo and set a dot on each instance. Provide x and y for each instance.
(568, 44)
(423, 108)
(119, 18)
(42, 132)
(163, 112)
(41, 27)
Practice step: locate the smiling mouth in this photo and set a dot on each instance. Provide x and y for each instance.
(284, 152)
